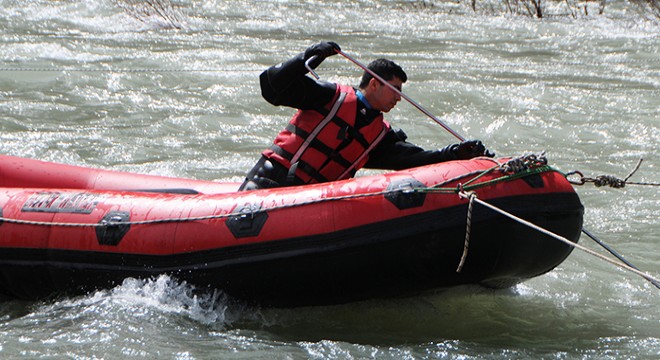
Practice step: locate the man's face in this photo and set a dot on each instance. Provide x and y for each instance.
(381, 97)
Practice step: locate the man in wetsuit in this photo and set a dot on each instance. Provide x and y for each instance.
(339, 129)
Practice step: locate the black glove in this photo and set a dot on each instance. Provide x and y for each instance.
(470, 149)
(321, 50)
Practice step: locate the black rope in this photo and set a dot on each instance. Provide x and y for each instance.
(608, 180)
(617, 255)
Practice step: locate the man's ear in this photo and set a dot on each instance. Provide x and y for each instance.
(373, 83)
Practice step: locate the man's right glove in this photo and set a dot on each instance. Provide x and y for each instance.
(321, 50)
(470, 149)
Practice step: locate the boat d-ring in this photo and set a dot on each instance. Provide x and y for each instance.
(581, 181)
(115, 224)
(404, 194)
(248, 221)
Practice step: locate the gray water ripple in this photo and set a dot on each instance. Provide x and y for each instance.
(84, 83)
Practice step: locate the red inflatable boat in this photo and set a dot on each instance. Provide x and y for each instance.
(68, 229)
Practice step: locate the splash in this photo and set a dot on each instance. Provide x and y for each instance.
(168, 295)
(160, 296)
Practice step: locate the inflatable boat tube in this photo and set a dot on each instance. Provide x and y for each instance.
(67, 229)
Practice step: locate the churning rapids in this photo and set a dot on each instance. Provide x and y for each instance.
(102, 84)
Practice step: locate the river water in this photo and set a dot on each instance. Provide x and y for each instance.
(86, 83)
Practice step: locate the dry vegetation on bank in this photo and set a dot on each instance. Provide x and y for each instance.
(543, 8)
(165, 13)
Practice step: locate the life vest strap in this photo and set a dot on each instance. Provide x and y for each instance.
(316, 144)
(328, 118)
(350, 170)
(307, 169)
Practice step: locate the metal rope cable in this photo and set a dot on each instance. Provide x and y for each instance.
(616, 254)
(608, 180)
(561, 238)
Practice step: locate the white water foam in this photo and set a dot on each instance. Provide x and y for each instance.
(162, 295)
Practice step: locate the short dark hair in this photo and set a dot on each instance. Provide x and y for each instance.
(384, 68)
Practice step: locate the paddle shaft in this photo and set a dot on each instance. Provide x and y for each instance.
(383, 81)
(408, 99)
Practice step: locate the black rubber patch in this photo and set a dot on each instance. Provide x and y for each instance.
(535, 181)
(406, 197)
(249, 222)
(112, 234)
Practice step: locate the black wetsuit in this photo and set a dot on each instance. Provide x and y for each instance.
(286, 84)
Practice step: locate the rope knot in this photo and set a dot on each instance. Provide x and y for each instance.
(524, 163)
(609, 180)
(470, 195)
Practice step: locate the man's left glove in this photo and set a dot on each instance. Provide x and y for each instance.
(470, 149)
(321, 50)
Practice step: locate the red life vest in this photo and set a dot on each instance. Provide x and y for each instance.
(324, 145)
